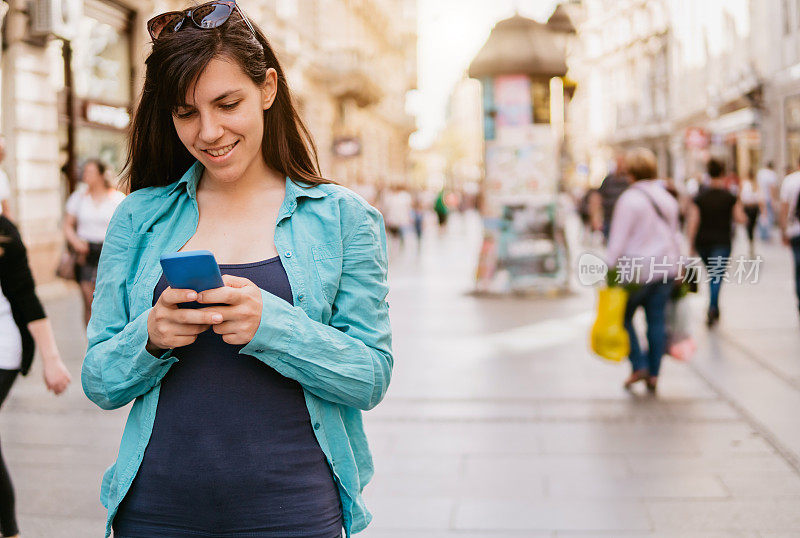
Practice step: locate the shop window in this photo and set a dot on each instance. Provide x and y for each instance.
(102, 54)
(101, 69)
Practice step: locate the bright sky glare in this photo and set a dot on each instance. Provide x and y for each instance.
(450, 34)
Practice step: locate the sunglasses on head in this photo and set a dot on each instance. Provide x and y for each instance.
(208, 15)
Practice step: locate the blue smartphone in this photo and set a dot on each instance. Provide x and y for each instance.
(192, 270)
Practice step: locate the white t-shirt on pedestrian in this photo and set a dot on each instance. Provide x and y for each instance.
(5, 189)
(397, 209)
(10, 339)
(93, 217)
(790, 190)
(748, 195)
(766, 179)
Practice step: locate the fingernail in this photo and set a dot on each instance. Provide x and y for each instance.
(216, 318)
(191, 296)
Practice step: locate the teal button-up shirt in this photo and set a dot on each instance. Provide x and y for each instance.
(335, 341)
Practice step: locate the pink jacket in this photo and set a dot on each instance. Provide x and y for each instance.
(641, 244)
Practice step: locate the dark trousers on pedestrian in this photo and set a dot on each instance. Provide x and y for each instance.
(716, 259)
(8, 515)
(795, 244)
(653, 297)
(752, 212)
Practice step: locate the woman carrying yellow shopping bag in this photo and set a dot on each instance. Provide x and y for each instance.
(644, 247)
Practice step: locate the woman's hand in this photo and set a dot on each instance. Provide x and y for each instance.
(169, 326)
(241, 314)
(56, 376)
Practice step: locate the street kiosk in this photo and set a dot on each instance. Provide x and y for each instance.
(521, 68)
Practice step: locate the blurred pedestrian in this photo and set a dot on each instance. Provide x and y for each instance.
(590, 210)
(418, 210)
(441, 209)
(23, 326)
(753, 205)
(767, 185)
(88, 212)
(397, 207)
(710, 231)
(612, 187)
(643, 246)
(5, 187)
(252, 428)
(790, 222)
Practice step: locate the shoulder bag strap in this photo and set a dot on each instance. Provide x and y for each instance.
(662, 217)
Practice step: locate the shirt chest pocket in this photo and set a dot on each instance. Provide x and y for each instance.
(138, 247)
(328, 265)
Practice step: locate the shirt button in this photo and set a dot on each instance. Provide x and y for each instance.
(300, 297)
(259, 350)
(316, 425)
(288, 254)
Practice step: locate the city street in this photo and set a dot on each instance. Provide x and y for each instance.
(499, 422)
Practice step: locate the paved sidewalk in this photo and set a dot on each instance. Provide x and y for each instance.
(498, 422)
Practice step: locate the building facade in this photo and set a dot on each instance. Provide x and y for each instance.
(684, 78)
(461, 140)
(620, 63)
(68, 91)
(777, 45)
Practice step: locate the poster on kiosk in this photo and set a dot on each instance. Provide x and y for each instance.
(523, 247)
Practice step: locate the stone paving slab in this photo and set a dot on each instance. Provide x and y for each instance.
(384, 533)
(51, 526)
(745, 484)
(609, 515)
(712, 463)
(660, 534)
(781, 515)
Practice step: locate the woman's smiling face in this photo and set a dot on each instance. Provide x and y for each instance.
(221, 122)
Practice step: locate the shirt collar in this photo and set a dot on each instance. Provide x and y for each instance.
(293, 193)
(189, 180)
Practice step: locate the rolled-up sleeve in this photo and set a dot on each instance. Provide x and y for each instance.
(348, 361)
(117, 367)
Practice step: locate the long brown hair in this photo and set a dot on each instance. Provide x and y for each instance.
(157, 157)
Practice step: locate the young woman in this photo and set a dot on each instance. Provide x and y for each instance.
(644, 232)
(23, 325)
(88, 213)
(246, 416)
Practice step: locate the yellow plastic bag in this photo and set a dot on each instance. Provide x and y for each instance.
(609, 338)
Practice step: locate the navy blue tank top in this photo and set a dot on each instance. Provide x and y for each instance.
(232, 453)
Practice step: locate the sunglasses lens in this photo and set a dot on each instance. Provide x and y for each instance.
(212, 15)
(166, 23)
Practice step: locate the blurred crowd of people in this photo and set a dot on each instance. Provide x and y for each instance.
(405, 210)
(639, 216)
